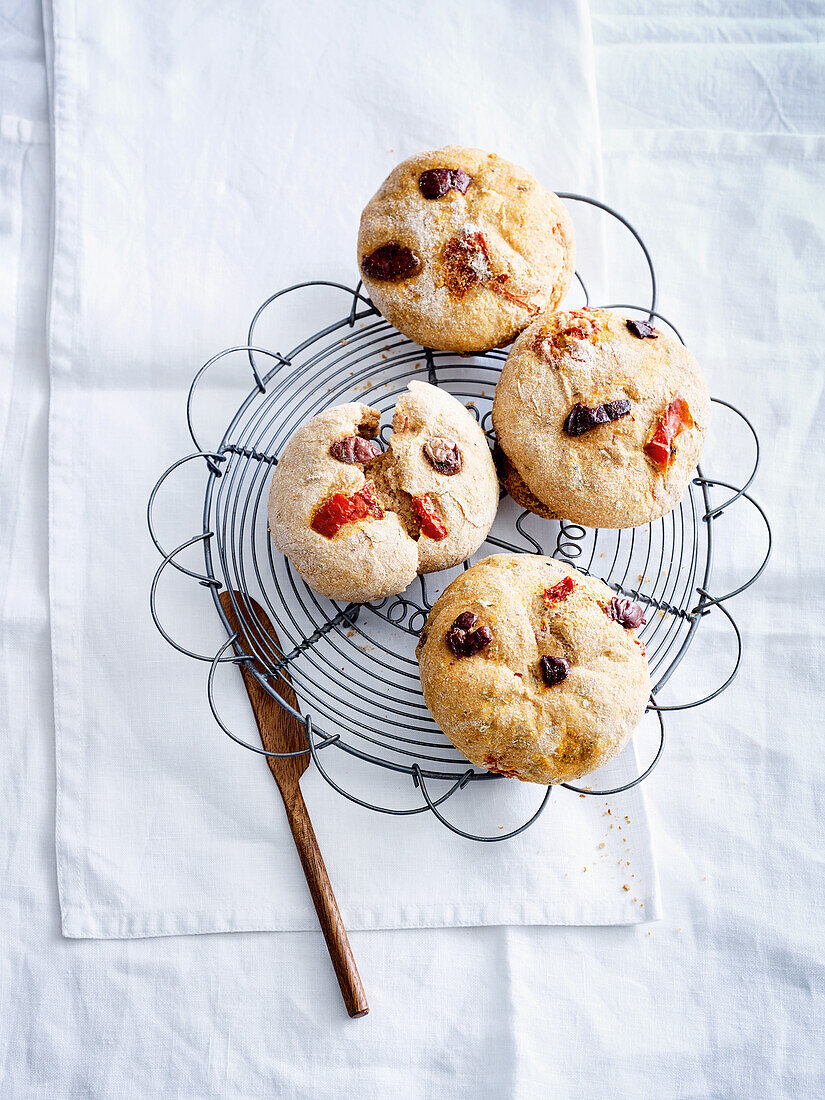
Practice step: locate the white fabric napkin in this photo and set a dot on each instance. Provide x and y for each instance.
(490, 1012)
(202, 161)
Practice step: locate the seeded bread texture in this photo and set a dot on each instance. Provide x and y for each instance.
(601, 478)
(527, 230)
(371, 558)
(495, 707)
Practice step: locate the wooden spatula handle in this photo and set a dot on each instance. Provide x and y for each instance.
(326, 906)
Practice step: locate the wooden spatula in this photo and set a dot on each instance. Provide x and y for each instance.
(282, 732)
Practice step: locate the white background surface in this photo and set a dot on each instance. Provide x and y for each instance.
(723, 997)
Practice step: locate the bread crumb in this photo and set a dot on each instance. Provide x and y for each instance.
(626, 887)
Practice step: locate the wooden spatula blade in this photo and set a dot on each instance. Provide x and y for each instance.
(280, 731)
(283, 732)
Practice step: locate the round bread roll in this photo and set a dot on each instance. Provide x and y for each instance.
(460, 249)
(359, 523)
(601, 419)
(532, 669)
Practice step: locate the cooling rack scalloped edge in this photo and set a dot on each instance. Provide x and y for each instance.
(237, 554)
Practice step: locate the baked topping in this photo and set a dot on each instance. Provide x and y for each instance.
(554, 670)
(432, 525)
(460, 180)
(578, 324)
(546, 346)
(643, 329)
(355, 448)
(436, 182)
(464, 641)
(626, 612)
(341, 509)
(390, 261)
(443, 455)
(465, 621)
(575, 325)
(467, 263)
(583, 418)
(676, 417)
(559, 591)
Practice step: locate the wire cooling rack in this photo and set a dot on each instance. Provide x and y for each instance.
(353, 666)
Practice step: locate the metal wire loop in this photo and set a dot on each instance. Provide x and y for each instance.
(151, 506)
(418, 776)
(615, 214)
(709, 601)
(351, 319)
(243, 658)
(633, 782)
(392, 811)
(211, 582)
(261, 388)
(720, 508)
(722, 687)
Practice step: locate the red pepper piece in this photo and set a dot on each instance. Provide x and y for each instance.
(674, 420)
(432, 525)
(341, 509)
(559, 591)
(678, 415)
(658, 449)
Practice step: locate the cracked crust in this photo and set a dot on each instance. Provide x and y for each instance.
(495, 707)
(372, 558)
(527, 233)
(601, 478)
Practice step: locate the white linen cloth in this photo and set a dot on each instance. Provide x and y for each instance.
(723, 996)
(201, 162)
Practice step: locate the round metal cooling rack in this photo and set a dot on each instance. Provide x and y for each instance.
(353, 666)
